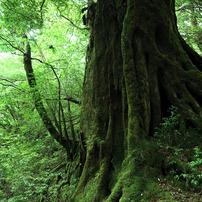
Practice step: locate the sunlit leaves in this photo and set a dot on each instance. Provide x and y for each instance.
(21, 16)
(190, 22)
(28, 153)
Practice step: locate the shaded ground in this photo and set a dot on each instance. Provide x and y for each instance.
(178, 194)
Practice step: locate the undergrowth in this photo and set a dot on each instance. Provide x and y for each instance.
(182, 152)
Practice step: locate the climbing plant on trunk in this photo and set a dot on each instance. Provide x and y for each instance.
(137, 66)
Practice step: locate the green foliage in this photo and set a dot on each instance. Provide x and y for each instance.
(189, 22)
(140, 173)
(25, 13)
(193, 176)
(32, 164)
(26, 167)
(167, 132)
(184, 156)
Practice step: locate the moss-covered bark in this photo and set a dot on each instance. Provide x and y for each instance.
(137, 67)
(38, 100)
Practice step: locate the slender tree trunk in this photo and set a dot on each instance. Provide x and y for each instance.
(137, 67)
(39, 103)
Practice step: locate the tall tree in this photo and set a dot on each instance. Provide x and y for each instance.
(20, 37)
(137, 66)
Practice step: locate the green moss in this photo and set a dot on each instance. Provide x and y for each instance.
(141, 189)
(88, 193)
(135, 180)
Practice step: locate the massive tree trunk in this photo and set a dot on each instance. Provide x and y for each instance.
(137, 67)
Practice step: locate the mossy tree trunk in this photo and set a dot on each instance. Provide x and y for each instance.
(137, 67)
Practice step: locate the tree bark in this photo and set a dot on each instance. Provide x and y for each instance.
(137, 67)
(39, 103)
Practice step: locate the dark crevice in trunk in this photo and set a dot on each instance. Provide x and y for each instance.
(194, 95)
(147, 59)
(193, 108)
(185, 66)
(161, 38)
(179, 95)
(119, 196)
(189, 124)
(165, 103)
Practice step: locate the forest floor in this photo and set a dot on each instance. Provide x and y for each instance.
(180, 195)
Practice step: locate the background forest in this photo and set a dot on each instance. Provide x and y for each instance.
(32, 163)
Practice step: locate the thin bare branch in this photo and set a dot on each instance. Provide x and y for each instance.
(80, 28)
(68, 97)
(10, 44)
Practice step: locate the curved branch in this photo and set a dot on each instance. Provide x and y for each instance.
(42, 5)
(13, 46)
(72, 22)
(12, 84)
(68, 98)
(41, 10)
(66, 143)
